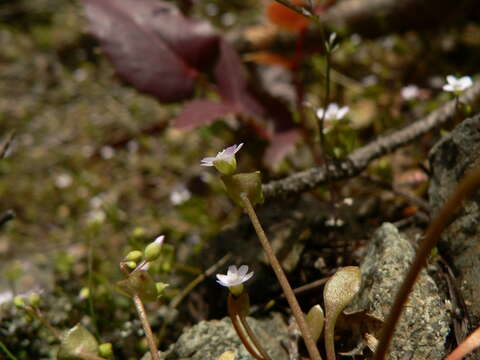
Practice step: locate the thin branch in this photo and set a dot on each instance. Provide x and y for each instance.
(146, 327)
(466, 188)
(6, 217)
(178, 299)
(282, 279)
(359, 159)
(6, 145)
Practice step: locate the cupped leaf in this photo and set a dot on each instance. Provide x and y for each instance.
(77, 341)
(151, 45)
(245, 183)
(140, 283)
(315, 320)
(339, 291)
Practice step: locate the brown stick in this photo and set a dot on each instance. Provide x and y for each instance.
(282, 279)
(466, 188)
(359, 159)
(146, 327)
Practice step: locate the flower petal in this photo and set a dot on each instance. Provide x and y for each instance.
(242, 270)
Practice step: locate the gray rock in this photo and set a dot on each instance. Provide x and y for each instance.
(209, 339)
(450, 159)
(424, 325)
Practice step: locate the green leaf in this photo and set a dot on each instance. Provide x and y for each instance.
(315, 320)
(77, 341)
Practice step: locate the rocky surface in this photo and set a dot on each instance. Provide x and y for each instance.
(208, 340)
(424, 325)
(451, 158)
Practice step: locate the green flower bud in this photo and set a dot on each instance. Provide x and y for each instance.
(226, 166)
(134, 255)
(19, 302)
(131, 264)
(106, 350)
(34, 299)
(161, 286)
(152, 251)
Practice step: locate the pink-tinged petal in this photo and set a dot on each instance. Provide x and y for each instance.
(222, 278)
(448, 87)
(238, 147)
(342, 112)
(247, 277)
(242, 270)
(320, 113)
(232, 269)
(451, 79)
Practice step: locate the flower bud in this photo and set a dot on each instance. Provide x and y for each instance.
(161, 286)
(19, 302)
(152, 251)
(131, 264)
(105, 350)
(134, 255)
(226, 166)
(34, 299)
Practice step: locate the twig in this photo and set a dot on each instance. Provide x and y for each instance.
(359, 159)
(6, 351)
(178, 299)
(6, 144)
(253, 337)
(146, 326)
(466, 188)
(282, 279)
(6, 217)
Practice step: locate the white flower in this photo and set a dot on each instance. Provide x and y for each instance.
(225, 154)
(180, 195)
(234, 276)
(63, 181)
(410, 92)
(457, 85)
(225, 161)
(334, 112)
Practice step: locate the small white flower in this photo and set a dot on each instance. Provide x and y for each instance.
(225, 154)
(348, 201)
(334, 112)
(234, 276)
(410, 92)
(225, 161)
(63, 181)
(334, 222)
(180, 195)
(457, 85)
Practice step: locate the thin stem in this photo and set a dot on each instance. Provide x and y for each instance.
(34, 311)
(467, 186)
(6, 351)
(321, 121)
(329, 340)
(91, 293)
(146, 326)
(254, 338)
(233, 313)
(282, 279)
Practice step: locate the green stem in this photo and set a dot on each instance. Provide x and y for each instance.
(464, 190)
(282, 279)
(146, 327)
(91, 293)
(6, 351)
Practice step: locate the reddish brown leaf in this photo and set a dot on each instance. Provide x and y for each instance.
(285, 18)
(232, 82)
(202, 112)
(151, 45)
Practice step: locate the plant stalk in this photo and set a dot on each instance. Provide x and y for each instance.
(146, 326)
(282, 279)
(465, 189)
